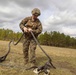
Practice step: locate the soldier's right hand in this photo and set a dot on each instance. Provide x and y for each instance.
(25, 29)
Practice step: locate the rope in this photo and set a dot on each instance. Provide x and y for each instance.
(2, 58)
(40, 46)
(50, 61)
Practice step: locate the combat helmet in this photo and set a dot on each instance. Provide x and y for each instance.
(36, 11)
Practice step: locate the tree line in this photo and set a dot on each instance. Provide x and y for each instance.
(7, 34)
(57, 39)
(52, 38)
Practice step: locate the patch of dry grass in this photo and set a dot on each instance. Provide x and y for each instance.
(63, 58)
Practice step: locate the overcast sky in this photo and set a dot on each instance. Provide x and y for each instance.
(56, 15)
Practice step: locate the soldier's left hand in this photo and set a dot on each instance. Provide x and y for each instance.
(29, 30)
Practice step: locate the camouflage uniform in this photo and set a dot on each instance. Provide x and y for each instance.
(29, 42)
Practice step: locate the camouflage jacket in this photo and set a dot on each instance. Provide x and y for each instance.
(30, 23)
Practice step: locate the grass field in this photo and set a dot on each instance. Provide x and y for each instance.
(63, 58)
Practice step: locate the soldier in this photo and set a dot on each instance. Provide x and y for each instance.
(27, 25)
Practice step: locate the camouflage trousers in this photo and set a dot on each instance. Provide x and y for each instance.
(29, 47)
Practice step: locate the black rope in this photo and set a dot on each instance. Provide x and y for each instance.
(2, 58)
(40, 46)
(49, 62)
(18, 40)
